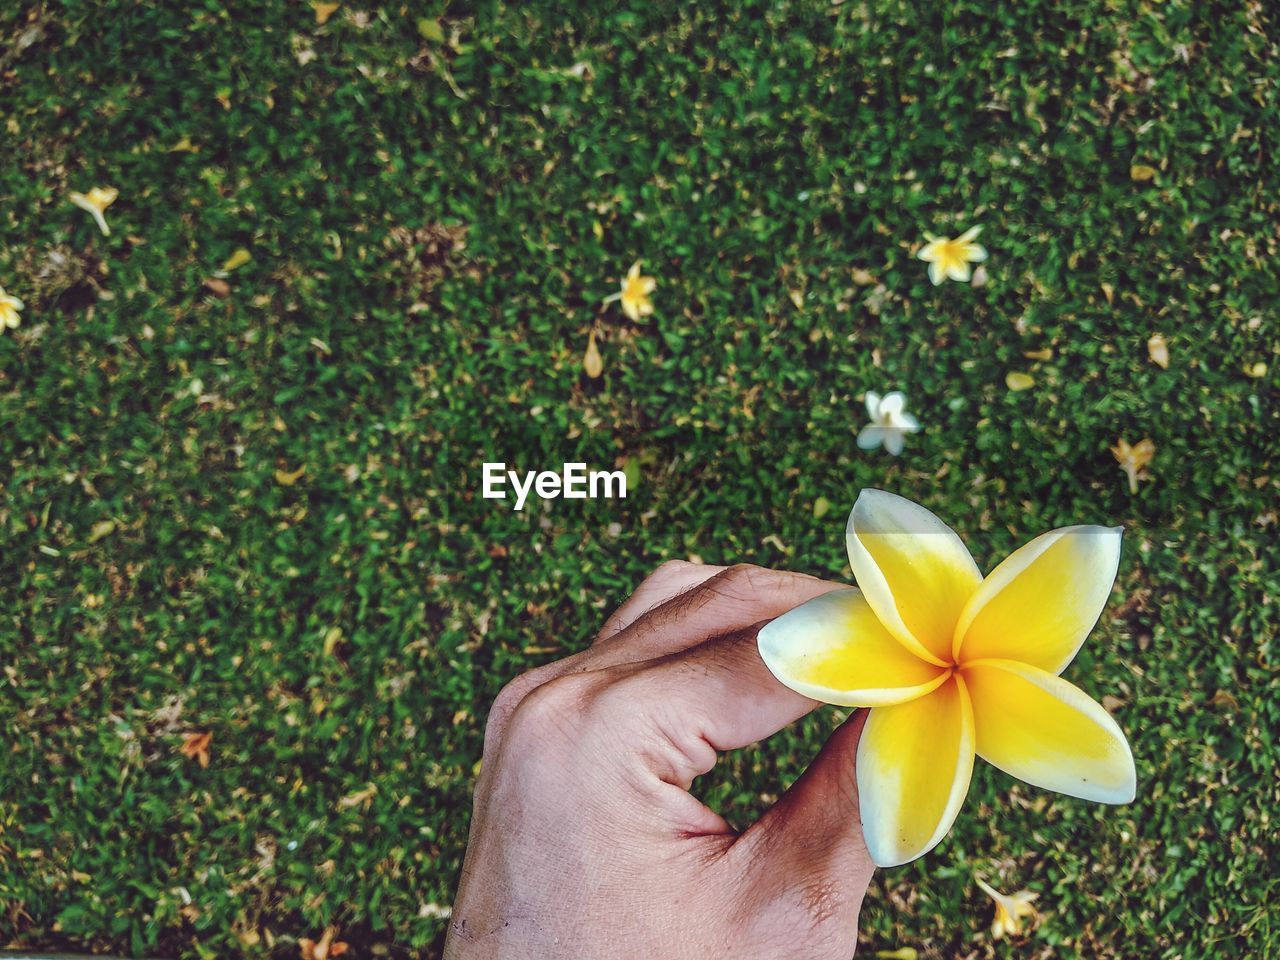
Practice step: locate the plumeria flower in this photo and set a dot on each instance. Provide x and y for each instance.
(9, 307)
(634, 294)
(95, 202)
(951, 258)
(955, 665)
(1009, 909)
(1133, 460)
(890, 422)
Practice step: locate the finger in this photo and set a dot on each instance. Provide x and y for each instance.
(672, 715)
(731, 599)
(670, 580)
(734, 598)
(815, 829)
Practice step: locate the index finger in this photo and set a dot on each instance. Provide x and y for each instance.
(733, 598)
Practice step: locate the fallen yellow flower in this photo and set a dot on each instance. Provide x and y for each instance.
(951, 258)
(1158, 351)
(9, 307)
(324, 11)
(1009, 909)
(592, 362)
(635, 293)
(95, 202)
(1134, 459)
(238, 259)
(956, 665)
(1017, 381)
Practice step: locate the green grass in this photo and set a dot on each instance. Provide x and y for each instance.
(434, 218)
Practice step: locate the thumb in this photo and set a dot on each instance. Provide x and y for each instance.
(815, 829)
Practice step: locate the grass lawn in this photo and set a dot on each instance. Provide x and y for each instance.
(240, 493)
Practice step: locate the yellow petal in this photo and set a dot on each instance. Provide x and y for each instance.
(1158, 351)
(592, 362)
(914, 764)
(834, 649)
(1041, 602)
(1143, 451)
(916, 573)
(324, 11)
(103, 197)
(237, 260)
(288, 478)
(1048, 732)
(1008, 909)
(1016, 381)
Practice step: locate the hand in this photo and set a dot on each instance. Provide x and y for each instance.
(585, 842)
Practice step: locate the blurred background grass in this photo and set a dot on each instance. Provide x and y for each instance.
(434, 201)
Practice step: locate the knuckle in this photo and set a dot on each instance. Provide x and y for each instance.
(670, 577)
(554, 709)
(509, 697)
(745, 581)
(671, 570)
(668, 580)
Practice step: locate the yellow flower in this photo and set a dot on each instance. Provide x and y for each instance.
(635, 293)
(95, 202)
(9, 307)
(1009, 909)
(956, 665)
(951, 258)
(1134, 459)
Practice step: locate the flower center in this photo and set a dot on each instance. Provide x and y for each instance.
(951, 252)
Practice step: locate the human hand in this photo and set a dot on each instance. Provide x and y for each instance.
(585, 842)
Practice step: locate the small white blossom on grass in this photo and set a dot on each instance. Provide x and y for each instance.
(1010, 909)
(951, 258)
(634, 295)
(9, 307)
(890, 422)
(95, 203)
(1133, 459)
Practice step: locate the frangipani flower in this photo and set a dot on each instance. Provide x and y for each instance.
(1133, 460)
(635, 293)
(951, 258)
(890, 423)
(9, 307)
(95, 202)
(955, 665)
(1009, 909)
